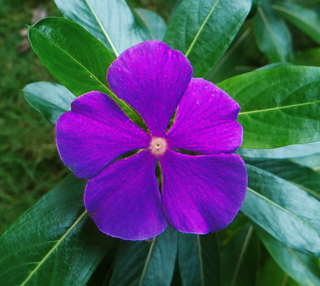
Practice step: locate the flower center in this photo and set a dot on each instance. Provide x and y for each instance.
(158, 146)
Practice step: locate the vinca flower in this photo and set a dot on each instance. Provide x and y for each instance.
(203, 182)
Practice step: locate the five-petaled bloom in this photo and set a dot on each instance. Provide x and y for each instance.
(200, 193)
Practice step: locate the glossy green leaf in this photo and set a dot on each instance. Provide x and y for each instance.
(272, 34)
(279, 106)
(199, 259)
(50, 99)
(292, 151)
(271, 274)
(146, 262)
(303, 268)
(72, 55)
(111, 21)
(305, 178)
(308, 20)
(239, 247)
(204, 29)
(283, 209)
(75, 57)
(54, 243)
(155, 24)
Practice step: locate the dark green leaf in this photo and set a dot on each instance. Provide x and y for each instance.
(54, 243)
(272, 34)
(111, 21)
(305, 19)
(304, 177)
(279, 106)
(146, 263)
(50, 99)
(292, 151)
(239, 249)
(225, 68)
(76, 58)
(303, 268)
(271, 274)
(199, 259)
(155, 24)
(203, 30)
(282, 209)
(309, 57)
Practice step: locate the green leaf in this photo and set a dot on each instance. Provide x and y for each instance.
(111, 21)
(305, 178)
(199, 259)
(292, 151)
(156, 25)
(146, 263)
(240, 251)
(54, 243)
(303, 268)
(50, 99)
(272, 34)
(305, 19)
(271, 274)
(200, 30)
(76, 58)
(283, 209)
(279, 106)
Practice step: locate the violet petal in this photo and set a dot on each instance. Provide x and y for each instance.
(95, 132)
(204, 193)
(206, 120)
(124, 200)
(152, 78)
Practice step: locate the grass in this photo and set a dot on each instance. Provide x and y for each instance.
(29, 162)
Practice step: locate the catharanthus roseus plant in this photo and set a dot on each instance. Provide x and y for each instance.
(200, 194)
(151, 116)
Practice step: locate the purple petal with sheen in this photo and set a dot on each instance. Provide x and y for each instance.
(124, 200)
(202, 194)
(206, 120)
(95, 132)
(152, 78)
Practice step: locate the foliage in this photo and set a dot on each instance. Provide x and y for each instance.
(276, 236)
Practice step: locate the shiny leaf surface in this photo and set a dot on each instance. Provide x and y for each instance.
(155, 24)
(272, 34)
(76, 58)
(199, 259)
(279, 106)
(303, 268)
(146, 262)
(204, 29)
(282, 209)
(112, 21)
(291, 151)
(308, 20)
(54, 243)
(50, 99)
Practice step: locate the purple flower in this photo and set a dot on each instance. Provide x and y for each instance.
(200, 193)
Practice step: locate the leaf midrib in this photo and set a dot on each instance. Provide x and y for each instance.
(201, 28)
(102, 29)
(265, 20)
(59, 241)
(282, 209)
(147, 262)
(278, 107)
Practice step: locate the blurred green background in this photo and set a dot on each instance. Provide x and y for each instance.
(29, 163)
